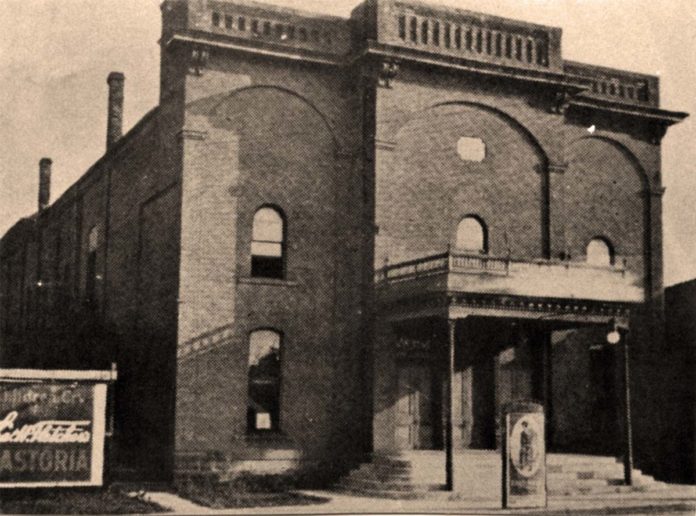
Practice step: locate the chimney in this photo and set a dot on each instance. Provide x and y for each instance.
(114, 124)
(44, 183)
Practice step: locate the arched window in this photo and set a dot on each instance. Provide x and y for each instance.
(471, 235)
(599, 252)
(263, 408)
(268, 244)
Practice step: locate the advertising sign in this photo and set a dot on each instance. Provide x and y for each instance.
(524, 457)
(52, 427)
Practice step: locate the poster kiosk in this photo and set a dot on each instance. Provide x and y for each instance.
(53, 425)
(524, 456)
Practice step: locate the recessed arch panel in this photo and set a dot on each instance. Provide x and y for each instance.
(424, 186)
(604, 194)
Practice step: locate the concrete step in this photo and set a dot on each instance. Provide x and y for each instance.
(571, 458)
(402, 469)
(605, 469)
(368, 471)
(599, 490)
(587, 475)
(383, 493)
(413, 475)
(396, 461)
(366, 484)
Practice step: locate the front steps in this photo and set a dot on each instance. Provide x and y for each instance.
(420, 474)
(589, 474)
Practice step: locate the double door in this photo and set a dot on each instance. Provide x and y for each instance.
(415, 407)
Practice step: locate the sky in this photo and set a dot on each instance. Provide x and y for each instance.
(55, 56)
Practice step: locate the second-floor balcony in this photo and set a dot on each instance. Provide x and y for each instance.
(457, 272)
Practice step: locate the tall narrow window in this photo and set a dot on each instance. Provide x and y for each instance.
(471, 235)
(599, 252)
(267, 244)
(91, 272)
(263, 409)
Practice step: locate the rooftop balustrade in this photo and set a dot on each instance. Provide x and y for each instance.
(469, 35)
(265, 23)
(617, 85)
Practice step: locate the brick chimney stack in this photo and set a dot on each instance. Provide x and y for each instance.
(44, 183)
(114, 124)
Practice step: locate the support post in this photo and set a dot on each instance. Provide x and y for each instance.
(449, 425)
(548, 387)
(628, 427)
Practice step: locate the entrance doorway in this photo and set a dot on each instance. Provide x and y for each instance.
(415, 407)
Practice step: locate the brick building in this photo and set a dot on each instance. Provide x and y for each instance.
(280, 255)
(677, 366)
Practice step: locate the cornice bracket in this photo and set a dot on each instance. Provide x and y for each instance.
(561, 102)
(388, 70)
(198, 60)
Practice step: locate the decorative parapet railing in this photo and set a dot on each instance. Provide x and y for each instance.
(460, 272)
(464, 34)
(617, 85)
(264, 23)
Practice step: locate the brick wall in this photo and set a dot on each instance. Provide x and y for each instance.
(265, 133)
(131, 196)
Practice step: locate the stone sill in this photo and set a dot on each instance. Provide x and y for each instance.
(267, 282)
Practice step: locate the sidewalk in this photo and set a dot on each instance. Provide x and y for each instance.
(674, 499)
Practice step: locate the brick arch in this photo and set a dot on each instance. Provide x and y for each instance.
(529, 135)
(625, 151)
(214, 111)
(605, 192)
(424, 185)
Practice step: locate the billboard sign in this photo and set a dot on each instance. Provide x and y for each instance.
(52, 427)
(524, 457)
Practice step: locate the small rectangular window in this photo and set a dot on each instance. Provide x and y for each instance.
(242, 23)
(91, 279)
(229, 22)
(216, 19)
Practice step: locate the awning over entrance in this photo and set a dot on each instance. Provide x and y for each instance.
(452, 287)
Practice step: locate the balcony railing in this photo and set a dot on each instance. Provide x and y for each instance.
(503, 275)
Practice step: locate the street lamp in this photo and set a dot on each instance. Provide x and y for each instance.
(613, 338)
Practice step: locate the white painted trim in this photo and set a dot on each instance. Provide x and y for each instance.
(15, 485)
(98, 432)
(57, 374)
